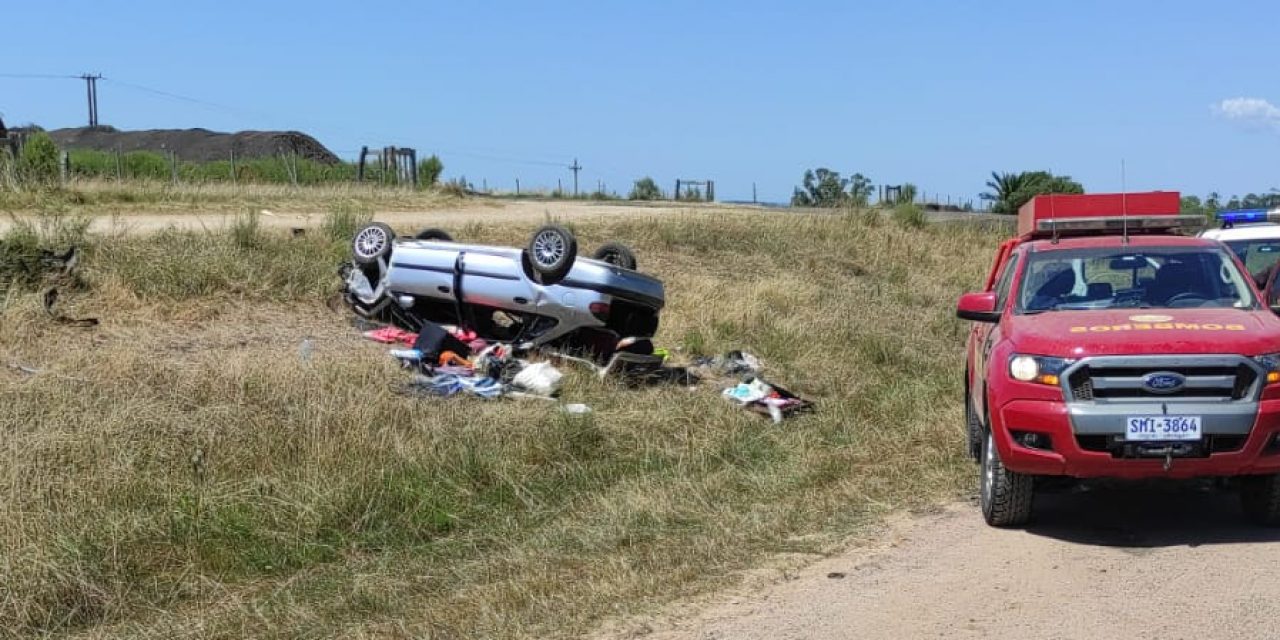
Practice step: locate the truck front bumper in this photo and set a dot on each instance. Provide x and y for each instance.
(1073, 445)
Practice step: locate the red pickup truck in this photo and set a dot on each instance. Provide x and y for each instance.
(1108, 344)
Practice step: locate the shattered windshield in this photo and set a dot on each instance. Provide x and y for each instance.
(1125, 277)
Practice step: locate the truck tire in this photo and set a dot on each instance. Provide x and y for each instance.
(552, 250)
(372, 243)
(973, 426)
(1005, 496)
(1260, 497)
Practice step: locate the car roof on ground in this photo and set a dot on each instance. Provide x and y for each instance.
(1245, 232)
(1144, 240)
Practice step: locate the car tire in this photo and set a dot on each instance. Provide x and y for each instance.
(616, 254)
(551, 252)
(1260, 497)
(372, 242)
(434, 234)
(1005, 496)
(973, 426)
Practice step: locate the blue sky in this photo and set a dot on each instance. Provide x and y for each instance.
(936, 93)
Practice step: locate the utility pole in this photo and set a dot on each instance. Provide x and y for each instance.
(575, 168)
(91, 90)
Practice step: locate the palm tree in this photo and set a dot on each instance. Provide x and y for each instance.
(1003, 186)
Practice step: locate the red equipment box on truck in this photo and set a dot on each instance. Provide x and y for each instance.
(1064, 206)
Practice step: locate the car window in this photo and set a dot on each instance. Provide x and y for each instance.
(1257, 255)
(1121, 277)
(1006, 278)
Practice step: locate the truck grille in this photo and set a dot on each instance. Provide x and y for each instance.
(1121, 378)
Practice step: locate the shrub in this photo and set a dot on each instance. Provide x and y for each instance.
(909, 216)
(245, 230)
(429, 171)
(645, 189)
(38, 161)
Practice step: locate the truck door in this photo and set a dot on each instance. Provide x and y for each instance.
(985, 334)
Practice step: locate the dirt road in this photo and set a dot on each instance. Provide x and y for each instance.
(1163, 561)
(475, 211)
(523, 211)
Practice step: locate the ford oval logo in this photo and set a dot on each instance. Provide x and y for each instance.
(1163, 382)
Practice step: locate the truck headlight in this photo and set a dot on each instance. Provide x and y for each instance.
(1270, 362)
(1037, 369)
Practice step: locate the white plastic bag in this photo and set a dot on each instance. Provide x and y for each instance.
(540, 378)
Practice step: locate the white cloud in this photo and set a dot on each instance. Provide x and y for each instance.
(1254, 112)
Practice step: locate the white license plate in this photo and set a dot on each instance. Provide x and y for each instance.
(1148, 428)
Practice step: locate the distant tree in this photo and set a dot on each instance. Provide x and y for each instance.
(38, 162)
(1213, 202)
(429, 171)
(1233, 203)
(822, 187)
(691, 192)
(1191, 205)
(645, 189)
(860, 190)
(1009, 191)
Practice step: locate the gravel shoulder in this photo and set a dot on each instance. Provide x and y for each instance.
(1106, 561)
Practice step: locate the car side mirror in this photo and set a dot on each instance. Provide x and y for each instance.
(979, 307)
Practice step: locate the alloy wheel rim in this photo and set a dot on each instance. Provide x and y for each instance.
(548, 248)
(370, 242)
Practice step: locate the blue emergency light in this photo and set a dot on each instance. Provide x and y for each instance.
(1248, 216)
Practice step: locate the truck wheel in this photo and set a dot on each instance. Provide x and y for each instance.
(1005, 496)
(1260, 497)
(973, 426)
(551, 251)
(372, 243)
(616, 254)
(434, 234)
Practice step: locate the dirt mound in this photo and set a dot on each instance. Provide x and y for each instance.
(198, 145)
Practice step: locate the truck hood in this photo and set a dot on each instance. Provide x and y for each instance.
(1075, 334)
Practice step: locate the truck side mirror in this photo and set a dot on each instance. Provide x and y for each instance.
(979, 307)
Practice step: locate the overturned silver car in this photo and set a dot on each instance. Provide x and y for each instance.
(541, 295)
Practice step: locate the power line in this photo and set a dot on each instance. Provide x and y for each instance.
(36, 76)
(238, 110)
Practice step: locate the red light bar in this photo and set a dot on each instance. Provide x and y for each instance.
(1095, 206)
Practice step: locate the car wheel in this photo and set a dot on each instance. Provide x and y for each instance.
(552, 250)
(973, 427)
(617, 254)
(1005, 496)
(372, 243)
(434, 234)
(1260, 497)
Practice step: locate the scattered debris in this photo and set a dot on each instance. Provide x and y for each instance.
(733, 363)
(541, 378)
(51, 299)
(764, 398)
(31, 371)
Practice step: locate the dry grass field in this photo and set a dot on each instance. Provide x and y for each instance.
(182, 471)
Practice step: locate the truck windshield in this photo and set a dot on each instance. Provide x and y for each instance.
(1122, 277)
